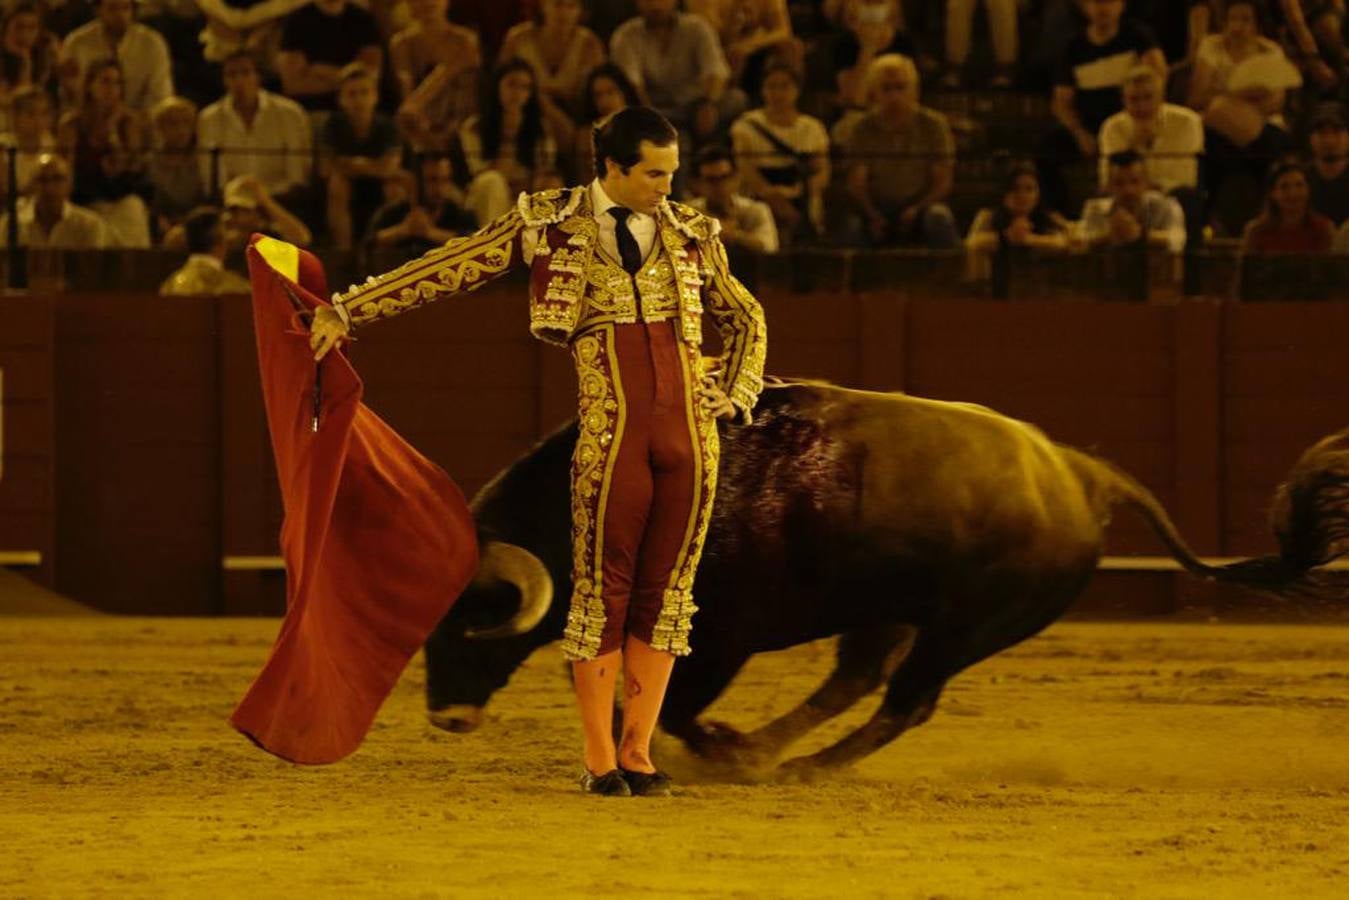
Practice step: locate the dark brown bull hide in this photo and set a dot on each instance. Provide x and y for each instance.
(927, 535)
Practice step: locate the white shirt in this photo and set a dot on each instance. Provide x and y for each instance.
(144, 56)
(280, 124)
(642, 226)
(752, 217)
(77, 229)
(1173, 159)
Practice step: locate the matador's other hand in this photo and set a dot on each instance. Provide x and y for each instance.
(715, 401)
(327, 331)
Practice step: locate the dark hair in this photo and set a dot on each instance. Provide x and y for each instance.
(780, 66)
(618, 77)
(1257, 6)
(202, 229)
(489, 119)
(620, 138)
(1124, 158)
(1041, 222)
(10, 64)
(95, 69)
(1280, 168)
(713, 153)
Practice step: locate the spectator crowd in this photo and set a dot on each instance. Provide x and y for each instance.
(398, 124)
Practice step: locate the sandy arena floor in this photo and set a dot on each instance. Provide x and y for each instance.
(1097, 760)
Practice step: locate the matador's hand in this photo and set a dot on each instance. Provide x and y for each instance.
(326, 332)
(715, 401)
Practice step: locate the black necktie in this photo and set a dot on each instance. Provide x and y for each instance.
(627, 244)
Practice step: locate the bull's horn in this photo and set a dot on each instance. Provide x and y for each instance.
(516, 565)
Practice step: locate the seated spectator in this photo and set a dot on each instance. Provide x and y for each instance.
(250, 207)
(1328, 175)
(49, 219)
(901, 164)
(174, 173)
(1252, 115)
(1002, 25)
(436, 215)
(204, 272)
(104, 140)
(562, 52)
(676, 63)
(317, 41)
(753, 35)
(784, 155)
(1087, 90)
(360, 150)
(257, 133)
(31, 134)
(1315, 31)
(607, 91)
(248, 26)
(507, 148)
(28, 52)
(435, 64)
(1170, 138)
(1019, 221)
(143, 56)
(1132, 214)
(871, 28)
(1288, 223)
(745, 224)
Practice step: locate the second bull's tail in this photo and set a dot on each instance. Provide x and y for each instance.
(1310, 518)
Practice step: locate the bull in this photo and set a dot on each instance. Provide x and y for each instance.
(927, 535)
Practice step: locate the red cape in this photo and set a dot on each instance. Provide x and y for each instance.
(377, 539)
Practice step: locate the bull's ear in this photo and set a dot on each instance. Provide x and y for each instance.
(499, 561)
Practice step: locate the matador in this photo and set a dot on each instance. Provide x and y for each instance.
(621, 276)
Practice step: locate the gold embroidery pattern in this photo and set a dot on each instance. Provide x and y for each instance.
(601, 421)
(462, 264)
(739, 318)
(671, 632)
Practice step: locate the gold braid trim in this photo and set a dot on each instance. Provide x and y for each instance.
(462, 264)
(744, 333)
(601, 424)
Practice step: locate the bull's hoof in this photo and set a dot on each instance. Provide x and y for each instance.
(456, 718)
(801, 770)
(715, 740)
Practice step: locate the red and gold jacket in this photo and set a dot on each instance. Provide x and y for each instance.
(575, 285)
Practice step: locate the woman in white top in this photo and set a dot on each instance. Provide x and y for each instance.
(784, 154)
(1240, 115)
(508, 146)
(562, 52)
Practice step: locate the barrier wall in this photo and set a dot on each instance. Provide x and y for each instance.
(156, 469)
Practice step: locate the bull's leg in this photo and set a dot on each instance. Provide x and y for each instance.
(865, 659)
(909, 701)
(699, 679)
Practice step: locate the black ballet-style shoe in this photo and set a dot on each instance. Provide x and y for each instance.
(649, 784)
(610, 784)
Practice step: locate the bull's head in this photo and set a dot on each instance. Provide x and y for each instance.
(518, 600)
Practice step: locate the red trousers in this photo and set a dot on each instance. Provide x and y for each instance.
(643, 479)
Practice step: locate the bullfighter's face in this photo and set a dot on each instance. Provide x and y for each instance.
(641, 187)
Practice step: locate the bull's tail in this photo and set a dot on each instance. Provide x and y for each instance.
(1310, 518)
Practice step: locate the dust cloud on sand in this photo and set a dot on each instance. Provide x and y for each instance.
(1150, 760)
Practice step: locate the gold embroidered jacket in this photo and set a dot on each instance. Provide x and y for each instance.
(575, 285)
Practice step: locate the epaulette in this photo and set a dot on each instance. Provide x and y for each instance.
(690, 222)
(550, 206)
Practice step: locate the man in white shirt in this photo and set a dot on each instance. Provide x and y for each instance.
(675, 60)
(143, 54)
(1133, 214)
(49, 219)
(1168, 137)
(745, 223)
(259, 133)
